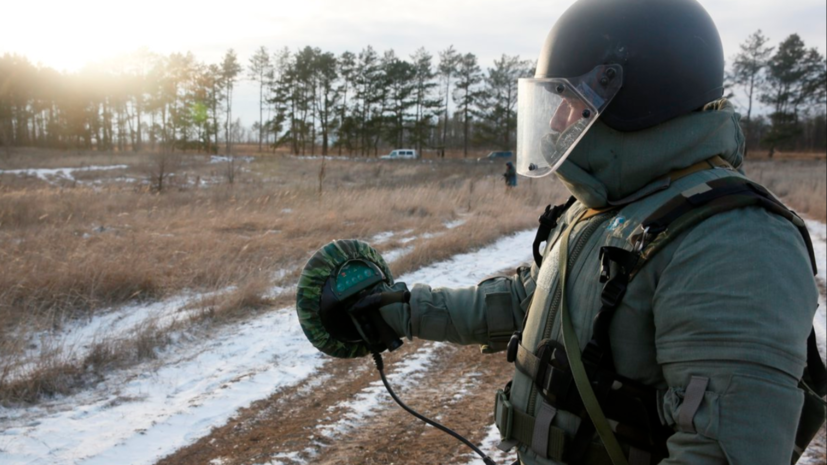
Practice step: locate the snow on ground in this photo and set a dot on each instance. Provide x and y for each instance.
(401, 376)
(382, 237)
(489, 447)
(226, 159)
(77, 338)
(455, 223)
(150, 414)
(469, 268)
(142, 414)
(818, 234)
(59, 173)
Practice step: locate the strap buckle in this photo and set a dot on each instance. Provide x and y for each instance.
(513, 345)
(641, 242)
(613, 291)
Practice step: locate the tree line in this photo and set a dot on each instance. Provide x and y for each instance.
(317, 102)
(310, 101)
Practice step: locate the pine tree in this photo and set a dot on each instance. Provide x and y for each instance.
(425, 106)
(448, 62)
(260, 71)
(230, 69)
(468, 76)
(795, 82)
(747, 70)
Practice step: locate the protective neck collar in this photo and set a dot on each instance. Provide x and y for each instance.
(608, 165)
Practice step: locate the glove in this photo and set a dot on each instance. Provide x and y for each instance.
(398, 314)
(373, 311)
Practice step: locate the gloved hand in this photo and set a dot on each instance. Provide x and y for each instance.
(398, 314)
(375, 312)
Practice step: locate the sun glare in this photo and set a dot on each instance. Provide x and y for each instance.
(71, 35)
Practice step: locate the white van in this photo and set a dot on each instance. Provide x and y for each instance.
(401, 154)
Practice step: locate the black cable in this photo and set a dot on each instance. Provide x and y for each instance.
(380, 365)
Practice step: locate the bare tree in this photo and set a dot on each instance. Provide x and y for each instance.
(230, 68)
(465, 95)
(748, 67)
(448, 62)
(232, 165)
(161, 167)
(261, 71)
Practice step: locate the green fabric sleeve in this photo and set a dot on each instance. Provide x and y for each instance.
(748, 415)
(735, 304)
(485, 314)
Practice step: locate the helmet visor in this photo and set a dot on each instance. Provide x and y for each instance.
(553, 114)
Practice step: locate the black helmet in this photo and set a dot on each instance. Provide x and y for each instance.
(670, 52)
(631, 63)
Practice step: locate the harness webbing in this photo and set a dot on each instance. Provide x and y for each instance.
(578, 371)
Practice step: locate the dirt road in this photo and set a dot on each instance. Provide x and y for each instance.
(300, 425)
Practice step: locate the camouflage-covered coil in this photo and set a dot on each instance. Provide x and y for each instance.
(314, 275)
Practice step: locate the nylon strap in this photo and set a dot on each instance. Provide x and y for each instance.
(578, 371)
(522, 431)
(542, 427)
(709, 163)
(594, 212)
(693, 396)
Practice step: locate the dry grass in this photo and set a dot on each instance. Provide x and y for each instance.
(801, 183)
(72, 248)
(764, 155)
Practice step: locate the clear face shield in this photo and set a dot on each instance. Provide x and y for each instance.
(553, 114)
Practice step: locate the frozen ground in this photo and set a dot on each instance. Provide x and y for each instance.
(138, 415)
(818, 233)
(52, 174)
(77, 338)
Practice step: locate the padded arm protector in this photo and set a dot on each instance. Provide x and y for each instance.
(485, 314)
(734, 307)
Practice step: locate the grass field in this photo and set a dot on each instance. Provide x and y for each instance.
(75, 244)
(79, 244)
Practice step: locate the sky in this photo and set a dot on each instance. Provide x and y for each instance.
(67, 35)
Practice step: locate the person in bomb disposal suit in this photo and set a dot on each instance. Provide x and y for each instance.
(668, 316)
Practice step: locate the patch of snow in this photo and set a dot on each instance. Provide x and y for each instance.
(406, 374)
(382, 237)
(470, 268)
(454, 224)
(76, 339)
(395, 254)
(818, 234)
(46, 174)
(197, 388)
(489, 447)
(226, 159)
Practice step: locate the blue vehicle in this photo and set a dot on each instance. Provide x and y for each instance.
(494, 156)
